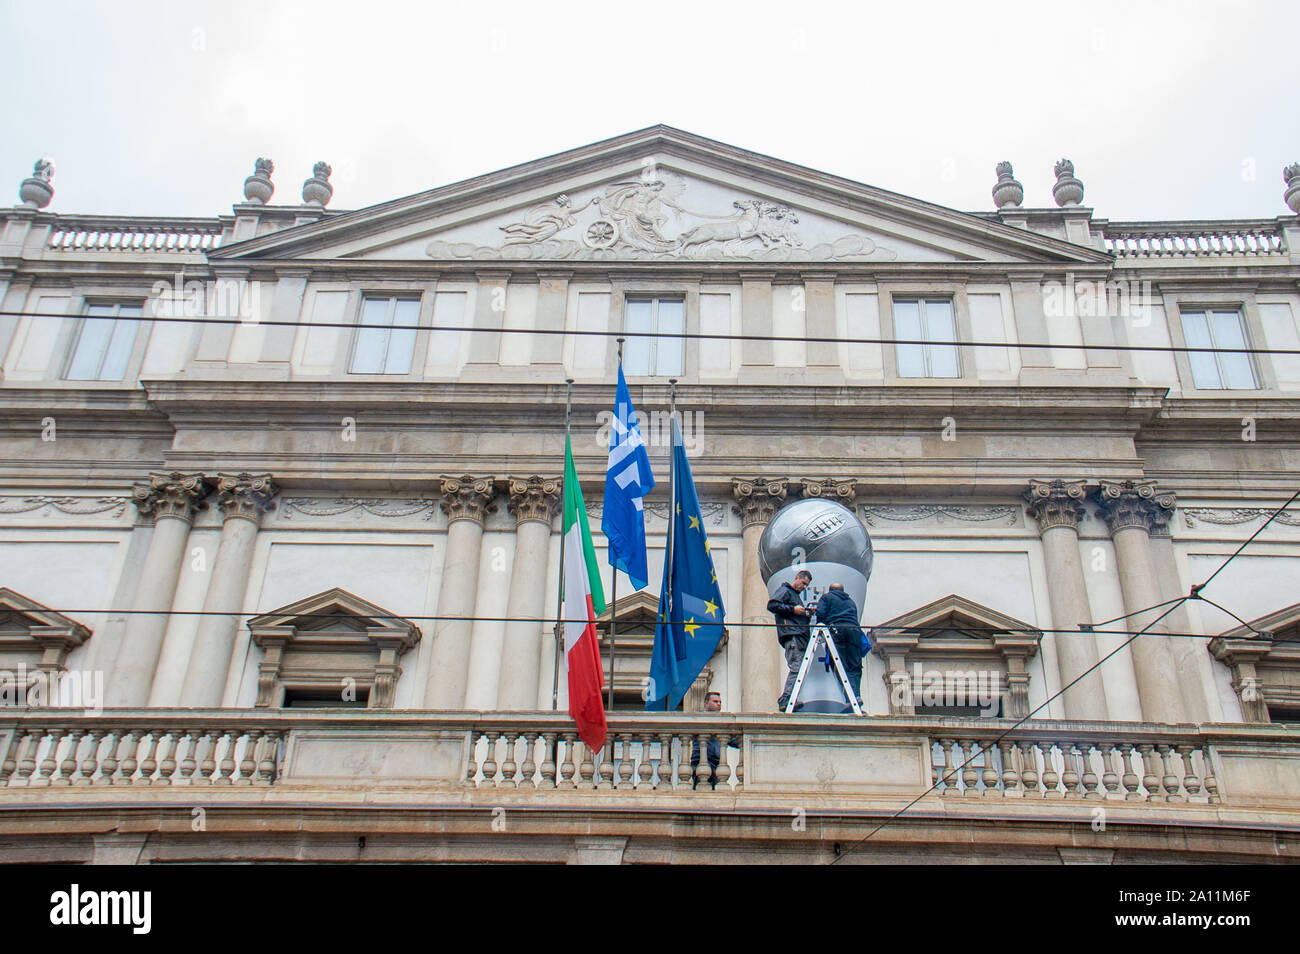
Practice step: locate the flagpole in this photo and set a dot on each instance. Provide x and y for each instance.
(559, 602)
(613, 592)
(672, 498)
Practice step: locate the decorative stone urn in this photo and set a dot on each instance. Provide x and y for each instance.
(1291, 174)
(1068, 190)
(1007, 191)
(317, 190)
(36, 191)
(258, 187)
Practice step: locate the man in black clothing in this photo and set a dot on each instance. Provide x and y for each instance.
(838, 612)
(792, 619)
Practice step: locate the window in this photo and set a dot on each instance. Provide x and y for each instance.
(926, 319)
(385, 349)
(1213, 370)
(104, 342)
(659, 356)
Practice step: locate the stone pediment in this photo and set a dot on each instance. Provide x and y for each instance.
(659, 195)
(333, 615)
(955, 618)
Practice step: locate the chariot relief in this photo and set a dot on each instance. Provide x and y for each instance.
(645, 218)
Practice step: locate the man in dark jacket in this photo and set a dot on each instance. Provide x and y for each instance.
(838, 612)
(792, 619)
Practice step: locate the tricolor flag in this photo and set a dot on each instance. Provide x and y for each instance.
(583, 599)
(627, 480)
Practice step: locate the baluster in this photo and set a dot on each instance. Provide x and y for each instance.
(266, 765)
(248, 764)
(548, 759)
(626, 771)
(685, 774)
(1069, 777)
(969, 777)
(26, 756)
(228, 758)
(1050, 776)
(208, 762)
(526, 771)
(1010, 778)
(490, 761)
(936, 769)
(1109, 777)
(1028, 768)
(149, 763)
(724, 767)
(109, 763)
(645, 769)
(740, 764)
(989, 775)
(471, 770)
(568, 776)
(1211, 783)
(587, 770)
(90, 763)
(509, 766)
(68, 765)
(11, 756)
(607, 778)
(188, 765)
(48, 764)
(1169, 780)
(1151, 772)
(1191, 781)
(704, 769)
(1129, 779)
(949, 775)
(664, 771)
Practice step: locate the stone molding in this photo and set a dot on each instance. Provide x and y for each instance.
(375, 506)
(830, 488)
(758, 499)
(172, 495)
(468, 498)
(246, 496)
(872, 512)
(534, 498)
(1230, 516)
(73, 506)
(1127, 504)
(1057, 503)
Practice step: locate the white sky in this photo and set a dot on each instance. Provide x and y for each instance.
(1169, 110)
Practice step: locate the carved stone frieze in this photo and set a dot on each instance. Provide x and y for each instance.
(1057, 503)
(378, 507)
(468, 498)
(534, 498)
(939, 512)
(844, 491)
(1137, 504)
(246, 496)
(1230, 516)
(73, 506)
(758, 499)
(172, 495)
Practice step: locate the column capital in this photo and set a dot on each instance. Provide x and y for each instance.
(246, 496)
(844, 491)
(1134, 503)
(468, 498)
(534, 498)
(172, 495)
(1056, 503)
(757, 499)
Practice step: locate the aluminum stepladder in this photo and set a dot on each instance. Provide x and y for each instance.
(819, 635)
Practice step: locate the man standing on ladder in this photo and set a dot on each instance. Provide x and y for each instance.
(837, 611)
(792, 619)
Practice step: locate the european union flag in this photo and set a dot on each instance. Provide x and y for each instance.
(690, 603)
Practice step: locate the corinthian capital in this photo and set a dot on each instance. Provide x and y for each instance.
(468, 498)
(172, 495)
(534, 498)
(1134, 503)
(758, 499)
(246, 496)
(1056, 503)
(843, 491)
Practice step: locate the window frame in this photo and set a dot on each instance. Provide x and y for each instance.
(392, 297)
(1209, 312)
(1177, 301)
(135, 354)
(633, 297)
(892, 292)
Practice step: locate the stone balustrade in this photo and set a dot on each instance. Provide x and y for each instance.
(759, 757)
(1171, 240)
(103, 233)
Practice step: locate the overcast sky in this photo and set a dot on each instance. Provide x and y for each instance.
(1169, 110)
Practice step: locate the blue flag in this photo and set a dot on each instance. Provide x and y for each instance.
(690, 602)
(627, 480)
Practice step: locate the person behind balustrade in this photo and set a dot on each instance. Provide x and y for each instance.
(792, 619)
(837, 611)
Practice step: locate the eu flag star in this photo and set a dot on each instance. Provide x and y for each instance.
(713, 607)
(695, 522)
(690, 626)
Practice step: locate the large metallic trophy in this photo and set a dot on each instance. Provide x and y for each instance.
(829, 541)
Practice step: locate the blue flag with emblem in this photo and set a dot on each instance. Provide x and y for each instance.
(627, 480)
(691, 615)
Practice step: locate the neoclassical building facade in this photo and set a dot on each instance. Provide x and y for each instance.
(279, 539)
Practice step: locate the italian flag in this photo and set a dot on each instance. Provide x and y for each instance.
(583, 598)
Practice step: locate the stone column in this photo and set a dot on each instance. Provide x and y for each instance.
(762, 664)
(534, 501)
(172, 500)
(466, 501)
(1131, 509)
(1057, 505)
(243, 499)
(1195, 669)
